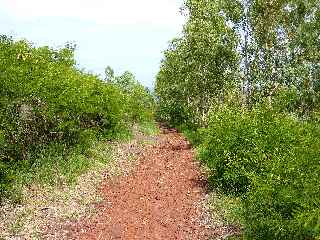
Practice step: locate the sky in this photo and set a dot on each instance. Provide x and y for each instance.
(125, 34)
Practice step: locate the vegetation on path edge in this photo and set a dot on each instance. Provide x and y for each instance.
(51, 113)
(242, 81)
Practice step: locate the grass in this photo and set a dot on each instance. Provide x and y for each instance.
(225, 209)
(64, 186)
(55, 186)
(149, 128)
(52, 168)
(17, 226)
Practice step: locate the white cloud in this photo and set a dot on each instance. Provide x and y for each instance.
(107, 12)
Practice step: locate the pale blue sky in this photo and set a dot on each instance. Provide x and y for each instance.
(125, 34)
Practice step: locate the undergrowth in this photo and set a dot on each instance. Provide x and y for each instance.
(65, 187)
(267, 163)
(51, 113)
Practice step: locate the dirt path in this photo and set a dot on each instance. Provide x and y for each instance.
(160, 199)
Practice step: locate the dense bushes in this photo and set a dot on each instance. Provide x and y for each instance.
(254, 66)
(45, 99)
(140, 103)
(272, 162)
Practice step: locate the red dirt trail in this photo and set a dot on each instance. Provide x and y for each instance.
(160, 199)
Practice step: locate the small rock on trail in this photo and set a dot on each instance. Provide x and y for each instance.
(160, 199)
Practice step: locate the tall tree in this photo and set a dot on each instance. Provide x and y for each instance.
(199, 66)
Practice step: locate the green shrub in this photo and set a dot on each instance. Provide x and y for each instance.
(46, 101)
(196, 136)
(176, 114)
(140, 103)
(272, 161)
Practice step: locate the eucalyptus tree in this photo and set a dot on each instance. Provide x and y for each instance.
(199, 66)
(267, 47)
(139, 101)
(283, 47)
(109, 73)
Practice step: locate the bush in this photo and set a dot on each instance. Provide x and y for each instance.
(45, 99)
(140, 102)
(271, 161)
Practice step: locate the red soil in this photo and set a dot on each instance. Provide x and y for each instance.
(160, 199)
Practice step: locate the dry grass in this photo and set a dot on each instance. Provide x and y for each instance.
(219, 212)
(44, 209)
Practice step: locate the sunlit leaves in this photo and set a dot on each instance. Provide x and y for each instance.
(45, 99)
(199, 66)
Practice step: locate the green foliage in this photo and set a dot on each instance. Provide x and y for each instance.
(46, 101)
(198, 67)
(254, 65)
(261, 47)
(282, 49)
(272, 161)
(196, 136)
(140, 102)
(149, 128)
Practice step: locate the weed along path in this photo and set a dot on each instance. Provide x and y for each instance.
(161, 198)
